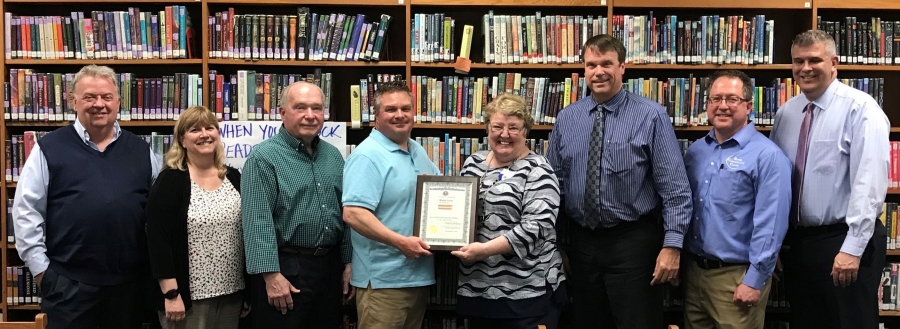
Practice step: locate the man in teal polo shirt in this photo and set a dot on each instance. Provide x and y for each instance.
(391, 268)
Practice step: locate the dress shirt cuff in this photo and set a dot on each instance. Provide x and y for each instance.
(38, 263)
(854, 245)
(674, 240)
(754, 278)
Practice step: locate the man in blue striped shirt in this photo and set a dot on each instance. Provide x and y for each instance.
(837, 137)
(619, 168)
(741, 185)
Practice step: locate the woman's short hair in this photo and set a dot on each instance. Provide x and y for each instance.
(510, 105)
(197, 116)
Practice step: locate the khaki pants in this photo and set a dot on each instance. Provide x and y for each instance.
(708, 296)
(396, 308)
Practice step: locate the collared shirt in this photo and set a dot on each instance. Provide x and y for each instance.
(846, 172)
(381, 177)
(742, 197)
(30, 203)
(291, 198)
(641, 163)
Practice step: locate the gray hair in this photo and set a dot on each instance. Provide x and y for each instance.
(97, 71)
(286, 91)
(812, 37)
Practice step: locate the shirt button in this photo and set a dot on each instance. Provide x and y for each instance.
(697, 218)
(707, 181)
(323, 206)
(712, 163)
(701, 199)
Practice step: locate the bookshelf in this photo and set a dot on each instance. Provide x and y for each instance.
(790, 18)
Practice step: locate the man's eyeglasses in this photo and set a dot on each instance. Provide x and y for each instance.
(730, 100)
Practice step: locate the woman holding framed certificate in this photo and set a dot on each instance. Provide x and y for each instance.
(511, 276)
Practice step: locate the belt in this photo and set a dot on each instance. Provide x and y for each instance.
(711, 264)
(822, 229)
(317, 251)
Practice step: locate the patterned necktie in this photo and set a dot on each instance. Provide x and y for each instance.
(800, 163)
(592, 185)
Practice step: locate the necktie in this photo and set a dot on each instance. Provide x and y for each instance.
(592, 185)
(800, 163)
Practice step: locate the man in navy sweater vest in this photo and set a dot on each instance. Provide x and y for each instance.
(79, 212)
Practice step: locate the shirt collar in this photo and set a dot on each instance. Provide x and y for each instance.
(825, 99)
(613, 103)
(385, 142)
(86, 137)
(296, 143)
(742, 137)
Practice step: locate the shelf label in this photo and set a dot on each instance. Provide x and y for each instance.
(400, 2)
(603, 2)
(807, 4)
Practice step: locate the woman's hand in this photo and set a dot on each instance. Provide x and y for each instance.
(174, 309)
(471, 253)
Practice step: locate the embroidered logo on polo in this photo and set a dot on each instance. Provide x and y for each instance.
(733, 162)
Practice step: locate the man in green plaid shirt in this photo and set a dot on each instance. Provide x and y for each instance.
(297, 244)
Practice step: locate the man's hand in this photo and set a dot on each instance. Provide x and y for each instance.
(174, 309)
(667, 264)
(413, 247)
(279, 291)
(40, 277)
(349, 291)
(471, 253)
(745, 296)
(844, 270)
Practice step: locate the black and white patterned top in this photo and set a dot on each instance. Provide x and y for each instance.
(215, 241)
(519, 202)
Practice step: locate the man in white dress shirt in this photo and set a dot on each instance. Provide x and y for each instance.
(837, 140)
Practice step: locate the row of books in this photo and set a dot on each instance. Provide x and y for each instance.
(21, 288)
(128, 34)
(304, 36)
(517, 39)
(712, 39)
(249, 95)
(18, 148)
(870, 41)
(36, 96)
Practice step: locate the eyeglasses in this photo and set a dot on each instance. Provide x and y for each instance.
(513, 130)
(730, 100)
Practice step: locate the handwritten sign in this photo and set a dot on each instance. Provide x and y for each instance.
(240, 137)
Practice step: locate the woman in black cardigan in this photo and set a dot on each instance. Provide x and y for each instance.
(194, 230)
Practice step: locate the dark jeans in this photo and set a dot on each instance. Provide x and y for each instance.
(549, 320)
(610, 274)
(73, 305)
(318, 305)
(815, 301)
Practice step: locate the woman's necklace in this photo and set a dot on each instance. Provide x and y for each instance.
(505, 164)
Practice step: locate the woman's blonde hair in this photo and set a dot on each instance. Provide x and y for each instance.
(197, 116)
(509, 105)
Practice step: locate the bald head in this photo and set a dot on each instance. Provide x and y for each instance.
(302, 87)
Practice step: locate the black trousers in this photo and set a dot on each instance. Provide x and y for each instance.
(550, 320)
(318, 305)
(74, 305)
(815, 301)
(610, 275)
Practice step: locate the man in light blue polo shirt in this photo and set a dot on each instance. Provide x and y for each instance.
(391, 268)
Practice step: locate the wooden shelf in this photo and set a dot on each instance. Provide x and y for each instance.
(29, 307)
(889, 313)
(859, 4)
(36, 123)
(715, 4)
(871, 68)
(312, 2)
(146, 123)
(305, 63)
(10, 184)
(707, 128)
(123, 123)
(10, 246)
(515, 3)
(577, 66)
(103, 61)
(893, 252)
(633, 66)
(100, 1)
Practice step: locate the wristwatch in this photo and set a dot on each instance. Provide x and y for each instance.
(171, 294)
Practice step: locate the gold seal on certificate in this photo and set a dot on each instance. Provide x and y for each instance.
(445, 211)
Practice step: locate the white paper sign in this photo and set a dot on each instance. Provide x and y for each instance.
(240, 137)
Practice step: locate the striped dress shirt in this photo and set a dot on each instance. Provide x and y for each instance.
(845, 178)
(641, 167)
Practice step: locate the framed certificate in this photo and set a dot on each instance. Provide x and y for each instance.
(446, 211)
